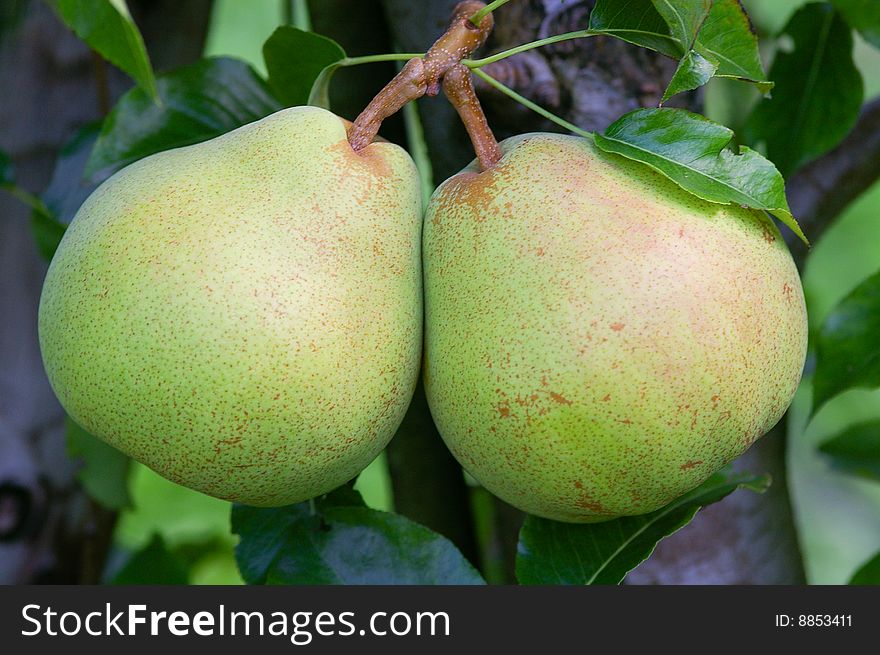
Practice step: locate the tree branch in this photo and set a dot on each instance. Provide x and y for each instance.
(822, 189)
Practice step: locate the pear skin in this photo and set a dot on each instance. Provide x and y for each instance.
(244, 315)
(599, 341)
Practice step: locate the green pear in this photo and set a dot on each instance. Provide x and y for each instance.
(244, 315)
(599, 341)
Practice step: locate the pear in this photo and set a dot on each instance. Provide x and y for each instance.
(244, 315)
(599, 341)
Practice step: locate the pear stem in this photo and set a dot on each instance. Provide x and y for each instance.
(423, 76)
(458, 85)
(410, 83)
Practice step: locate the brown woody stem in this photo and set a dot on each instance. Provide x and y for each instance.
(407, 85)
(423, 76)
(458, 86)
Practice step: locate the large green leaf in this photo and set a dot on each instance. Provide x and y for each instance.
(295, 59)
(727, 39)
(863, 15)
(154, 564)
(684, 19)
(698, 154)
(264, 535)
(104, 472)
(848, 346)
(107, 27)
(357, 545)
(550, 552)
(338, 541)
(722, 40)
(265, 531)
(200, 101)
(68, 188)
(636, 22)
(818, 92)
(856, 450)
(868, 573)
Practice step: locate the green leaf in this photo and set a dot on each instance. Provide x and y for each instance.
(847, 347)
(7, 172)
(550, 552)
(693, 71)
(319, 96)
(295, 60)
(200, 102)
(868, 573)
(724, 38)
(344, 496)
(104, 473)
(862, 15)
(65, 194)
(154, 564)
(698, 155)
(684, 18)
(264, 531)
(107, 27)
(47, 232)
(11, 12)
(343, 544)
(728, 40)
(636, 22)
(357, 545)
(46, 228)
(856, 450)
(264, 535)
(68, 188)
(818, 91)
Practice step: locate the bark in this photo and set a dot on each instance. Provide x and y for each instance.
(49, 531)
(590, 82)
